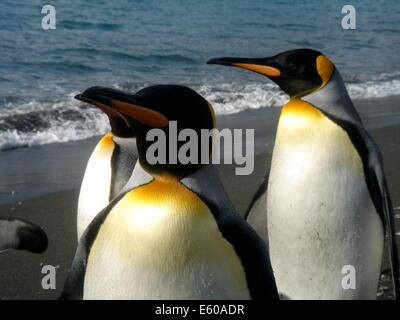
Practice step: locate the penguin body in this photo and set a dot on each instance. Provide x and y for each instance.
(149, 222)
(175, 234)
(108, 170)
(21, 235)
(180, 247)
(326, 204)
(320, 214)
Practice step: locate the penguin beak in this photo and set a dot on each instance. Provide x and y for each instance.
(261, 66)
(100, 103)
(125, 105)
(142, 114)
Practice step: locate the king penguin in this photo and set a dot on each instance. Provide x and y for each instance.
(21, 235)
(110, 165)
(326, 203)
(177, 235)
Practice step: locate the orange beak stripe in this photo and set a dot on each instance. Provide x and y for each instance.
(146, 116)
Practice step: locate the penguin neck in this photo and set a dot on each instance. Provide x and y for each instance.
(138, 178)
(125, 142)
(141, 176)
(166, 178)
(119, 127)
(334, 101)
(207, 184)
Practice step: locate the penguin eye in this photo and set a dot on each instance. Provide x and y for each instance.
(293, 68)
(296, 69)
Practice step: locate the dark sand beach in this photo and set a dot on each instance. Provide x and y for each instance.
(41, 184)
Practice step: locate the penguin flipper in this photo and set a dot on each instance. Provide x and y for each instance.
(387, 208)
(254, 256)
(394, 258)
(248, 245)
(256, 213)
(73, 287)
(21, 235)
(377, 186)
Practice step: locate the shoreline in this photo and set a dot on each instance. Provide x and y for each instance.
(20, 167)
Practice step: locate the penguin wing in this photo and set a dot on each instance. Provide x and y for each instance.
(21, 235)
(391, 231)
(249, 247)
(253, 254)
(375, 178)
(256, 213)
(379, 191)
(73, 287)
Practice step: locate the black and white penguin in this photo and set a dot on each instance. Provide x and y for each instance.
(326, 203)
(177, 235)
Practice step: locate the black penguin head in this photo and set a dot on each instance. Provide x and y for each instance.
(297, 72)
(153, 108)
(99, 97)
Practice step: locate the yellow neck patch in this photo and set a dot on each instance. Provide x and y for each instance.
(298, 113)
(306, 138)
(165, 195)
(105, 145)
(325, 69)
(214, 119)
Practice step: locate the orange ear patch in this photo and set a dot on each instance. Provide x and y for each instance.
(325, 69)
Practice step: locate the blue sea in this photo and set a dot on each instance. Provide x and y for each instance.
(132, 44)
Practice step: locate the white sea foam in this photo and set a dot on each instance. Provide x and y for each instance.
(64, 121)
(227, 98)
(371, 89)
(35, 122)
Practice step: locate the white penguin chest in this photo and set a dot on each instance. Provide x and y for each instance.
(315, 161)
(95, 189)
(320, 215)
(161, 242)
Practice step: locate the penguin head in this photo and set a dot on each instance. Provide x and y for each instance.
(153, 108)
(118, 122)
(297, 72)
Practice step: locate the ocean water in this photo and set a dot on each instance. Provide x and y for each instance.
(132, 44)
